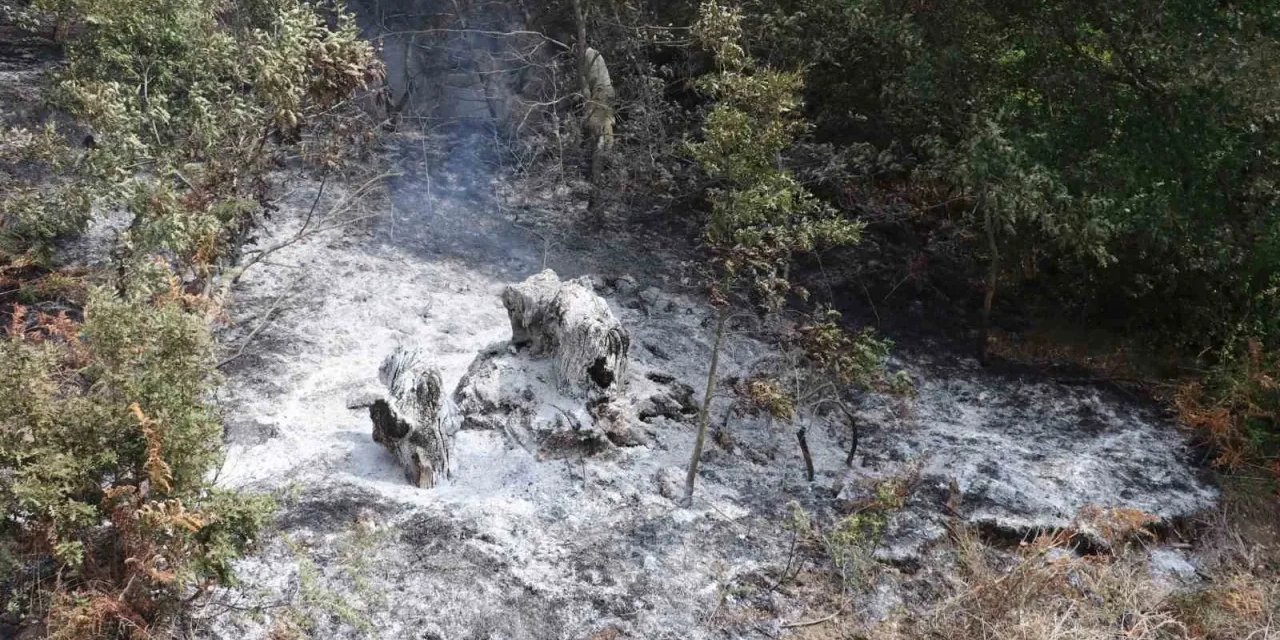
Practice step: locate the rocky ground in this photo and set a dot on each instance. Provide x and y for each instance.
(591, 543)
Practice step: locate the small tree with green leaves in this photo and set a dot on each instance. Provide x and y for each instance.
(761, 216)
(818, 370)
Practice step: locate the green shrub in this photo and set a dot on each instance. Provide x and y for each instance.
(107, 439)
(1120, 148)
(34, 214)
(185, 104)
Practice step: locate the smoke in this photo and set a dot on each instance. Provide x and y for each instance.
(457, 64)
(473, 93)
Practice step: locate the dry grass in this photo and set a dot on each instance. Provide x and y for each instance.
(1104, 357)
(1044, 589)
(1214, 422)
(1050, 594)
(1115, 526)
(1241, 606)
(1047, 592)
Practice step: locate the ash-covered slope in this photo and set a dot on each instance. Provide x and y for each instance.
(522, 545)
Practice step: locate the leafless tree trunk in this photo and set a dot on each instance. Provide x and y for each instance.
(580, 21)
(804, 450)
(704, 413)
(855, 435)
(993, 271)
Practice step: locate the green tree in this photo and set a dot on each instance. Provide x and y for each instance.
(1135, 133)
(761, 216)
(1112, 161)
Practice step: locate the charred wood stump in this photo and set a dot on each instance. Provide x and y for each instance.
(409, 422)
(567, 320)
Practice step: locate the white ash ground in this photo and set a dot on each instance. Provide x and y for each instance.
(516, 547)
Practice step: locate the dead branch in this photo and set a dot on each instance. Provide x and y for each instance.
(306, 230)
(810, 623)
(266, 320)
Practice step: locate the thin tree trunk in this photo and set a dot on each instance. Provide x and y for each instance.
(804, 450)
(395, 108)
(856, 432)
(580, 21)
(704, 413)
(993, 270)
(595, 159)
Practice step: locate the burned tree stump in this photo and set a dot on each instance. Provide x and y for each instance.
(409, 421)
(569, 321)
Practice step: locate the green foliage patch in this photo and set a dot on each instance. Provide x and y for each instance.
(108, 438)
(1113, 163)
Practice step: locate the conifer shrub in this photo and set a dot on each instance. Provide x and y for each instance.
(107, 443)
